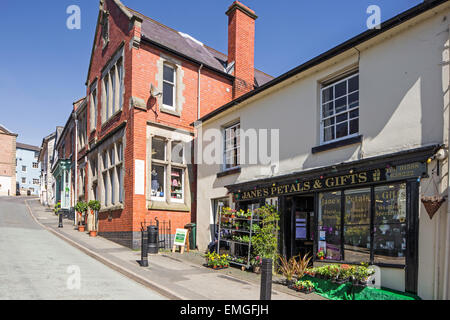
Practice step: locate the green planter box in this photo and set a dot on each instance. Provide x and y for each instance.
(347, 291)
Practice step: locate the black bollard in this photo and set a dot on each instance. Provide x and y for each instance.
(144, 247)
(153, 245)
(266, 279)
(60, 221)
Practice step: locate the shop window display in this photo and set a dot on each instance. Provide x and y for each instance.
(330, 225)
(390, 224)
(357, 226)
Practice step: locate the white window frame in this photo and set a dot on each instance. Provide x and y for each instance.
(156, 198)
(174, 86)
(113, 86)
(236, 146)
(113, 190)
(334, 115)
(182, 184)
(93, 107)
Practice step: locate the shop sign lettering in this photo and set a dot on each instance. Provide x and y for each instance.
(417, 169)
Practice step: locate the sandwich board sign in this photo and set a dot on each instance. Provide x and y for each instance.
(180, 239)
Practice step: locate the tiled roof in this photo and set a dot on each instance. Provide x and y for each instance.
(27, 147)
(188, 46)
(6, 130)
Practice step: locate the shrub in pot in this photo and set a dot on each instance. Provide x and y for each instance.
(81, 208)
(94, 207)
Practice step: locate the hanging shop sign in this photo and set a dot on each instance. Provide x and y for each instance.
(388, 173)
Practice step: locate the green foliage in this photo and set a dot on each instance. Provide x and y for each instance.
(81, 207)
(306, 284)
(94, 205)
(214, 259)
(57, 208)
(287, 267)
(265, 240)
(343, 272)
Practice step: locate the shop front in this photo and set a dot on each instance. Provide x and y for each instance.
(364, 211)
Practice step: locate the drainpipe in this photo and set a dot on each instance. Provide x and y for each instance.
(446, 59)
(76, 165)
(436, 258)
(198, 94)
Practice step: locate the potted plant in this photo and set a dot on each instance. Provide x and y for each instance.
(57, 208)
(94, 207)
(361, 275)
(304, 286)
(81, 207)
(256, 263)
(321, 255)
(287, 268)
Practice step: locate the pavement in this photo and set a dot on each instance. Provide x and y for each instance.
(36, 265)
(172, 275)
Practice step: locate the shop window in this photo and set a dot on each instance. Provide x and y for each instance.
(177, 185)
(330, 225)
(357, 226)
(388, 220)
(390, 224)
(158, 178)
(232, 146)
(168, 171)
(158, 149)
(340, 109)
(177, 152)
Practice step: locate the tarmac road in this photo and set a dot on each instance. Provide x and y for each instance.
(37, 265)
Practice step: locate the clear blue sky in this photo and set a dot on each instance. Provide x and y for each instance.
(43, 65)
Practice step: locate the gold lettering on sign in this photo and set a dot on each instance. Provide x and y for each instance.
(274, 190)
(362, 177)
(307, 186)
(317, 184)
(329, 182)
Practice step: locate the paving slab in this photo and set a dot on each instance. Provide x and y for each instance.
(173, 275)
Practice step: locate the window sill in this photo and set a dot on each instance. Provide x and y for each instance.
(111, 119)
(229, 172)
(171, 111)
(112, 208)
(162, 205)
(381, 265)
(337, 144)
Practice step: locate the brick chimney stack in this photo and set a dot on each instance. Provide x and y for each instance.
(241, 47)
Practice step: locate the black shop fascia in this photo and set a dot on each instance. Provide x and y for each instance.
(361, 211)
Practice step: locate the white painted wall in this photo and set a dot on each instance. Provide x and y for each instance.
(403, 96)
(5, 186)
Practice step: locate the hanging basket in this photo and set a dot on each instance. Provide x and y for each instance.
(432, 204)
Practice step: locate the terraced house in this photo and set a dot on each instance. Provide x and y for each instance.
(363, 136)
(146, 84)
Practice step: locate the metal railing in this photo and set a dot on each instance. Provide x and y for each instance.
(165, 238)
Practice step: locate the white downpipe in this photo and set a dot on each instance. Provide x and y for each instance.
(436, 258)
(446, 87)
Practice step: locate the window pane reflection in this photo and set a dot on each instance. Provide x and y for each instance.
(330, 225)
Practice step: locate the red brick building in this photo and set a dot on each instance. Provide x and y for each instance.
(146, 84)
